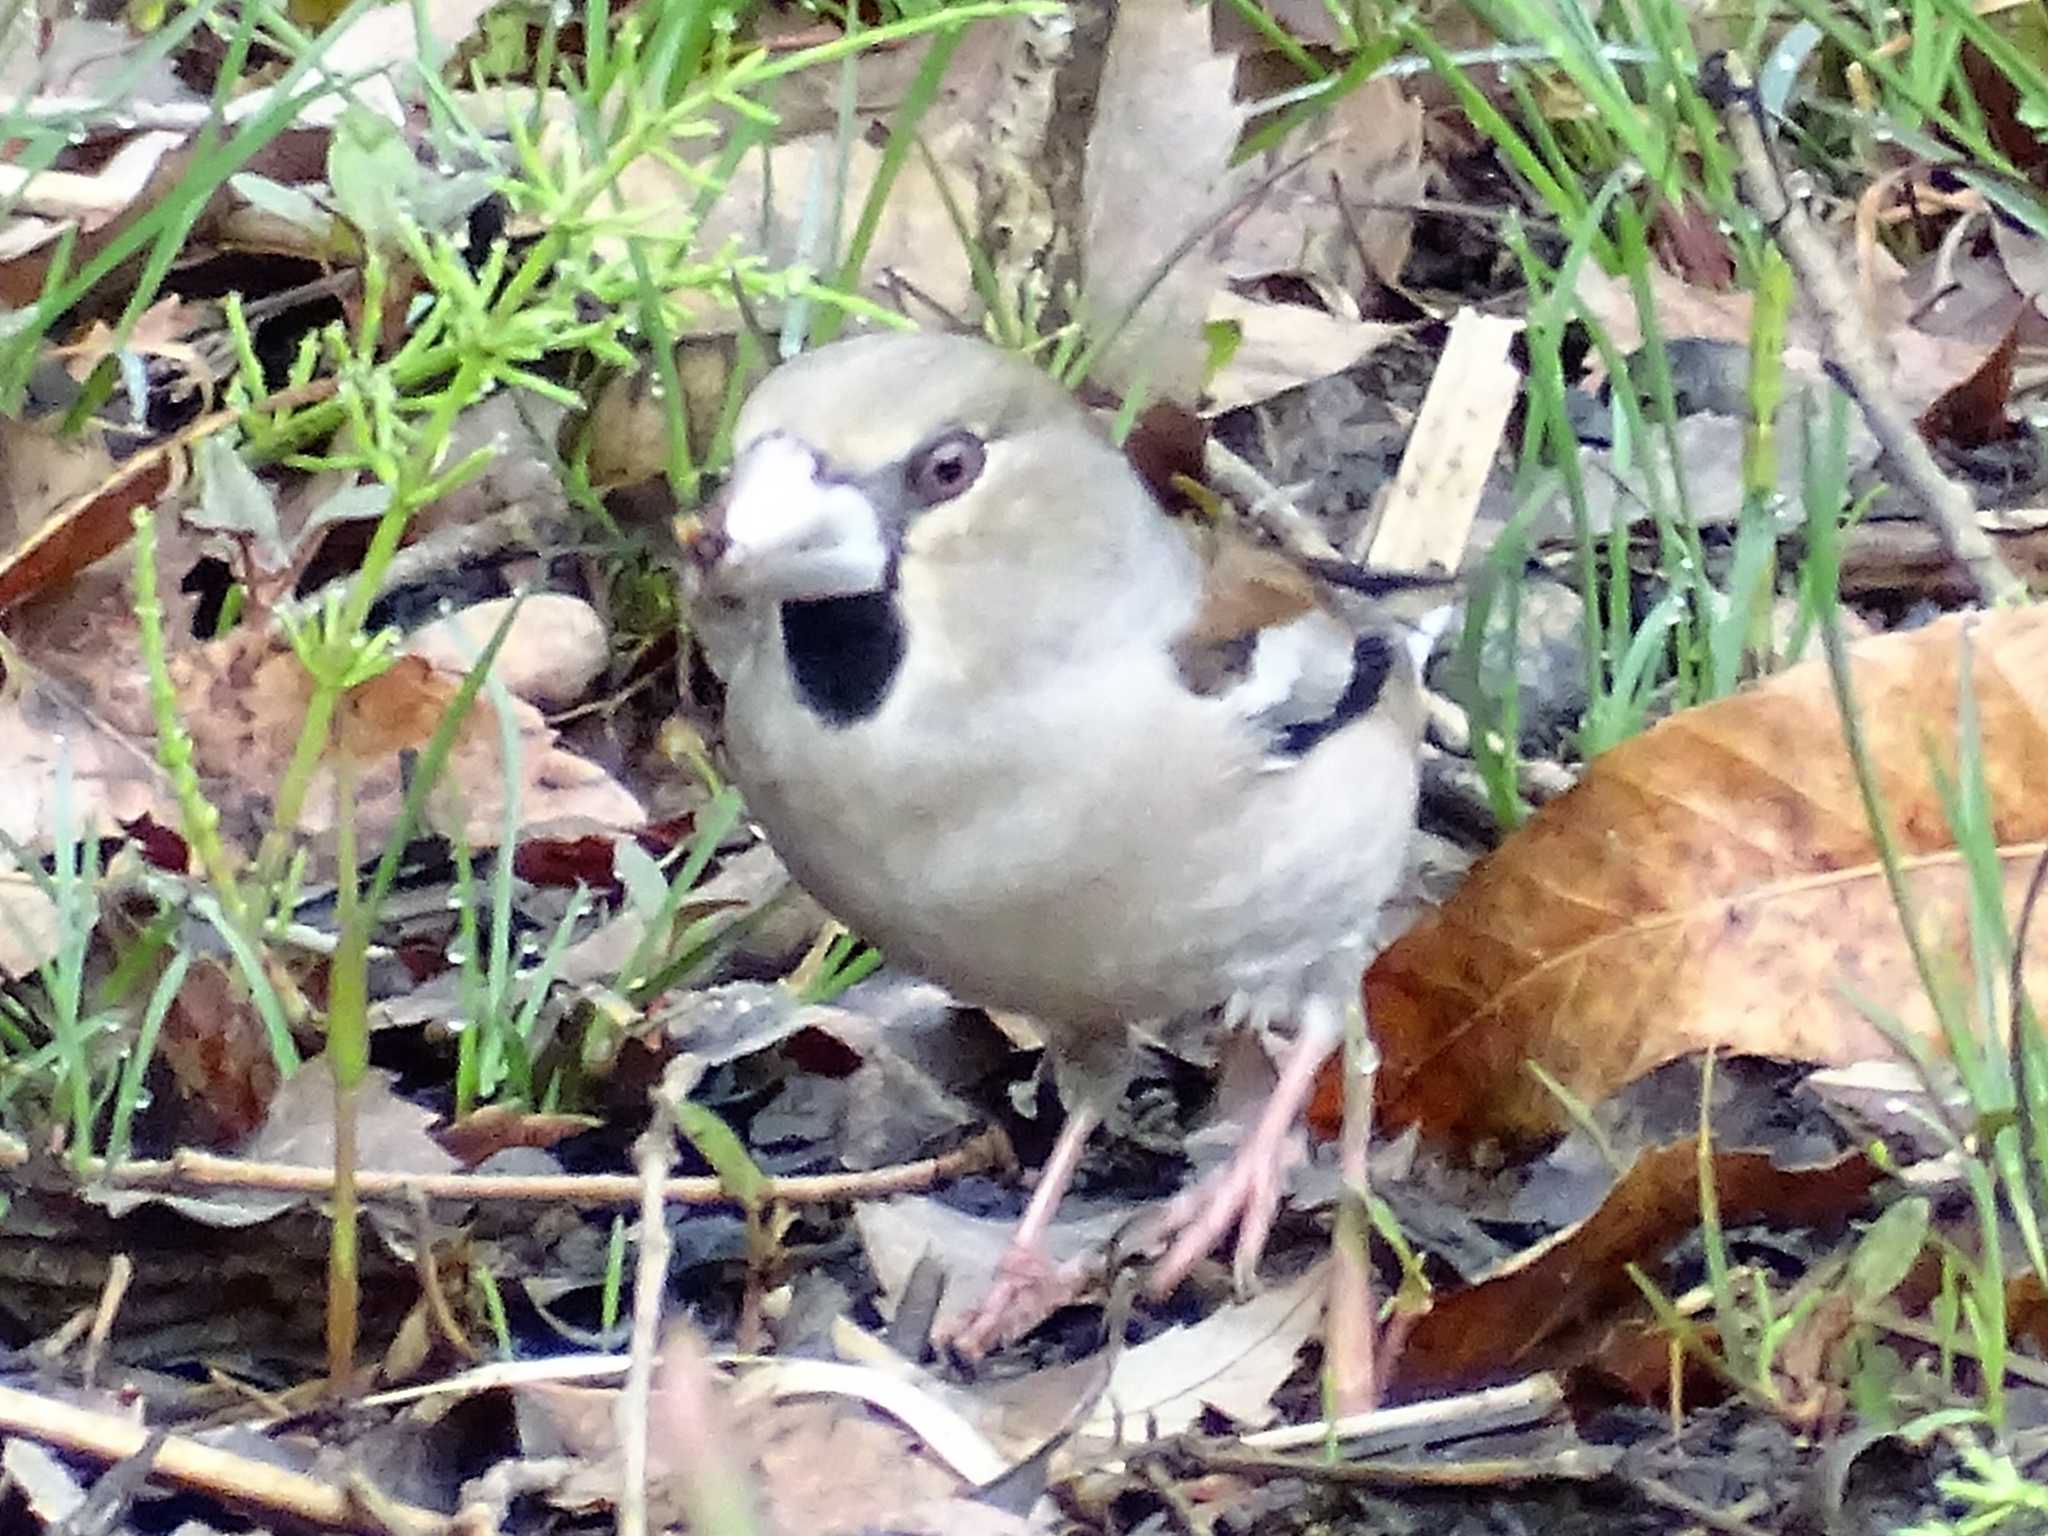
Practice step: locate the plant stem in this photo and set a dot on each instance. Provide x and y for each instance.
(348, 1061)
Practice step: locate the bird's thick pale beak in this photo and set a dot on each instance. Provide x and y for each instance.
(780, 531)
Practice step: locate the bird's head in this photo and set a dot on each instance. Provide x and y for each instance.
(850, 459)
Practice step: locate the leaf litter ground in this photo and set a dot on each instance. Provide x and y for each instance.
(871, 1099)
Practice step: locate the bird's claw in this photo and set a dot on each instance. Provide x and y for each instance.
(1245, 1194)
(1029, 1288)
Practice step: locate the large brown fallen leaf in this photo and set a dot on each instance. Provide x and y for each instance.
(1714, 883)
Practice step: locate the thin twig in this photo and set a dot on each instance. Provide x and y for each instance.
(432, 1292)
(1529, 1401)
(2017, 1367)
(113, 1496)
(1266, 505)
(655, 1153)
(204, 1170)
(120, 1273)
(254, 1486)
(1670, 1498)
(1576, 1464)
(1850, 349)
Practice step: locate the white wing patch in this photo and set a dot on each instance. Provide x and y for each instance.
(1300, 685)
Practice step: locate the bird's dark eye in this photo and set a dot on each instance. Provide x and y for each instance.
(941, 470)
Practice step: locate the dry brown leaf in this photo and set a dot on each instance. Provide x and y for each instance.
(1925, 365)
(40, 469)
(1336, 209)
(214, 1044)
(1283, 346)
(492, 1129)
(1232, 1361)
(47, 543)
(1713, 883)
(393, 1135)
(245, 698)
(897, 1233)
(47, 737)
(764, 209)
(389, 35)
(91, 198)
(97, 518)
(1513, 1320)
(29, 926)
(1977, 411)
(702, 1435)
(1157, 173)
(393, 711)
(806, 1449)
(166, 329)
(124, 189)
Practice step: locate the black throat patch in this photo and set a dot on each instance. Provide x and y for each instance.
(844, 652)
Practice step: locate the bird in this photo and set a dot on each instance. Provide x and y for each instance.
(1050, 746)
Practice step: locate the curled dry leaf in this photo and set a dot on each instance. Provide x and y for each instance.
(94, 206)
(48, 544)
(1714, 883)
(1521, 1317)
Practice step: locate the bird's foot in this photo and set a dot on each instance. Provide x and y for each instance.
(1029, 1287)
(1244, 1193)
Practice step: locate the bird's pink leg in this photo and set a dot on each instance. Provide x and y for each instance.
(1030, 1286)
(1245, 1192)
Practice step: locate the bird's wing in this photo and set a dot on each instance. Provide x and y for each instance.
(1264, 644)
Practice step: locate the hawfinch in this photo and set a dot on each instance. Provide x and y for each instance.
(1059, 751)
